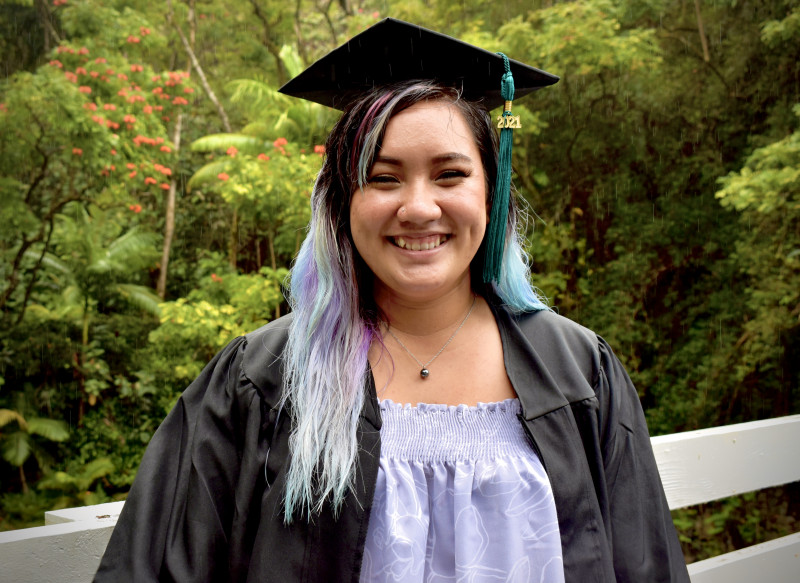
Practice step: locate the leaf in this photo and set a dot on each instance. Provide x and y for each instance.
(208, 173)
(52, 429)
(140, 296)
(17, 448)
(8, 416)
(221, 142)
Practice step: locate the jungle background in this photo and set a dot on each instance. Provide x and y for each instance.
(154, 189)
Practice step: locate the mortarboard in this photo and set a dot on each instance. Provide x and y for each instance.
(393, 51)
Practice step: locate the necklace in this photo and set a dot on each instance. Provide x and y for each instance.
(424, 372)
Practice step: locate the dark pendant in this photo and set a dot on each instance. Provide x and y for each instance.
(424, 373)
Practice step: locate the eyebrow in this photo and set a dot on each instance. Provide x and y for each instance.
(442, 158)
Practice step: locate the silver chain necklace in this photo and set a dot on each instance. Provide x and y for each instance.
(424, 372)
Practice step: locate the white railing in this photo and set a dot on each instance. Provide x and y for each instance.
(696, 467)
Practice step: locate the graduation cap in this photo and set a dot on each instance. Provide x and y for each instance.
(392, 51)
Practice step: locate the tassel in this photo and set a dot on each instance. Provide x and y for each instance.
(496, 232)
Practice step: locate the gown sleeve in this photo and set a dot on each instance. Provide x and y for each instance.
(199, 481)
(643, 537)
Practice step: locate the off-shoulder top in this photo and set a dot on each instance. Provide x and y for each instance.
(460, 496)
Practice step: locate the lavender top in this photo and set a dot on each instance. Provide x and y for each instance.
(460, 496)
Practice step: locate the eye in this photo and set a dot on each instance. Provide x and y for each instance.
(452, 175)
(382, 179)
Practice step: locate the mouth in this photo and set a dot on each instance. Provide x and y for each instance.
(420, 243)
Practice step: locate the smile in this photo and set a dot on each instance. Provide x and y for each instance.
(420, 244)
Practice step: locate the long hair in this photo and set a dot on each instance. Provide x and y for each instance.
(335, 314)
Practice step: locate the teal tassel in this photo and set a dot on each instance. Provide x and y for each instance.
(496, 232)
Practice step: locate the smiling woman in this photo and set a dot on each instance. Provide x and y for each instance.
(421, 415)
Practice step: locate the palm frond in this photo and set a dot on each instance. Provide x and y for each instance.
(221, 142)
(132, 250)
(208, 173)
(9, 416)
(139, 296)
(52, 429)
(17, 448)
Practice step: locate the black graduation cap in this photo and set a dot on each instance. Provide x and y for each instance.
(392, 51)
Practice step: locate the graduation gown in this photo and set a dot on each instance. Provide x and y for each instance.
(206, 504)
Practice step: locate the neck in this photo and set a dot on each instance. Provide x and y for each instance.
(424, 318)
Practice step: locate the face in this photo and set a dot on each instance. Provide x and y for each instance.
(422, 216)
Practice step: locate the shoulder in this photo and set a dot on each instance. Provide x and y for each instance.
(566, 346)
(262, 357)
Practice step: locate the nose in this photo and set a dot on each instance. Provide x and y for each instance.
(419, 205)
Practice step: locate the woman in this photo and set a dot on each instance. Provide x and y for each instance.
(419, 416)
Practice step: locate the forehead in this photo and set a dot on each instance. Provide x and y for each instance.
(436, 124)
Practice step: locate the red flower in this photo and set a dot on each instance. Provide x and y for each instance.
(133, 39)
(147, 109)
(164, 186)
(319, 150)
(90, 106)
(129, 119)
(144, 31)
(77, 152)
(100, 60)
(113, 152)
(85, 89)
(280, 142)
(130, 165)
(109, 106)
(71, 77)
(136, 208)
(222, 176)
(56, 63)
(179, 101)
(80, 71)
(132, 174)
(136, 68)
(150, 180)
(231, 151)
(122, 76)
(166, 149)
(216, 278)
(82, 50)
(263, 157)
(94, 74)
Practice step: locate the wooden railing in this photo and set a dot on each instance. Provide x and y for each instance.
(696, 467)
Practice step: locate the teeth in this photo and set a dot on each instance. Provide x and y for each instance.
(403, 244)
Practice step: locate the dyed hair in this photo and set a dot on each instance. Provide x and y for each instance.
(331, 294)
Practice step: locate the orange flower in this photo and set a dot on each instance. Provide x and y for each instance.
(280, 142)
(133, 39)
(85, 89)
(147, 109)
(319, 150)
(77, 152)
(136, 68)
(80, 71)
(122, 76)
(216, 278)
(166, 149)
(188, 90)
(222, 176)
(71, 77)
(130, 165)
(179, 101)
(136, 208)
(93, 74)
(263, 157)
(100, 60)
(113, 152)
(109, 106)
(231, 151)
(132, 174)
(56, 63)
(82, 50)
(144, 31)
(150, 180)
(90, 106)
(164, 186)
(129, 119)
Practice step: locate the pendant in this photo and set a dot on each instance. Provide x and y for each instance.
(424, 373)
